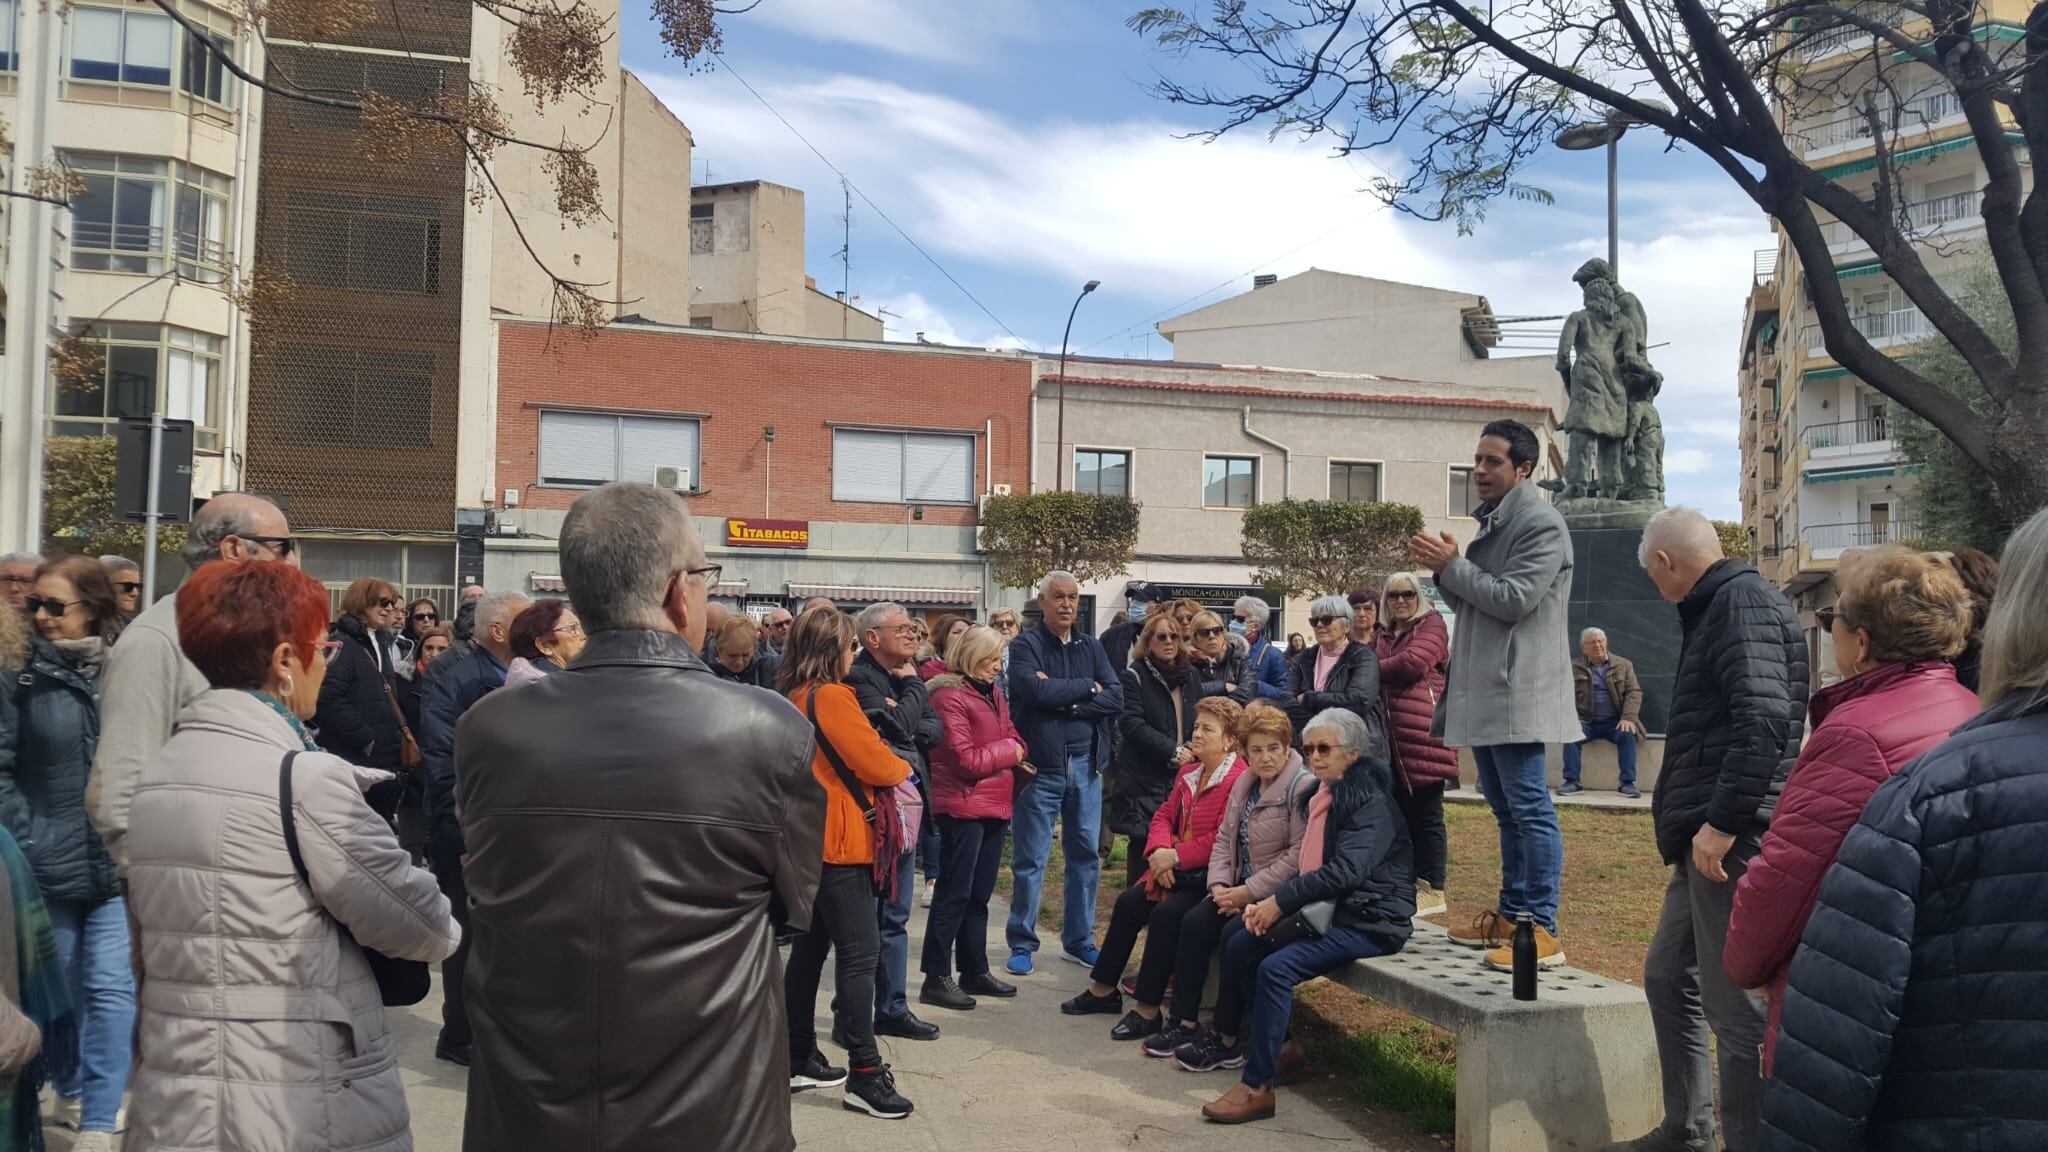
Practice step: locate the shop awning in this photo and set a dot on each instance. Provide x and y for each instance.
(548, 583)
(1911, 156)
(1829, 477)
(876, 595)
(554, 585)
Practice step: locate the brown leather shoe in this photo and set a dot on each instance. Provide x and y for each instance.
(1292, 1063)
(1240, 1105)
(1489, 929)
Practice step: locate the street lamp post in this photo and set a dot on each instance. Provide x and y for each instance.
(1590, 134)
(1059, 460)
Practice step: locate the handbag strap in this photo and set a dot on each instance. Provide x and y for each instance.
(853, 785)
(391, 698)
(284, 811)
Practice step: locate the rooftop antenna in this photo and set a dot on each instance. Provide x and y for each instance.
(845, 256)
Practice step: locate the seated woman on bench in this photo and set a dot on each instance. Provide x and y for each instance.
(1257, 849)
(1357, 876)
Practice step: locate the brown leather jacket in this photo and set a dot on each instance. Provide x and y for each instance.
(635, 827)
(1622, 685)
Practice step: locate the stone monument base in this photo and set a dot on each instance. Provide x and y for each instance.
(1610, 591)
(1595, 512)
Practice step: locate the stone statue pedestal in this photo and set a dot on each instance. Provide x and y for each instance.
(1610, 591)
(1595, 512)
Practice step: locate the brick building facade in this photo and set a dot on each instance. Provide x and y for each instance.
(880, 452)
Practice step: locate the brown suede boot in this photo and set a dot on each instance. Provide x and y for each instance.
(1240, 1105)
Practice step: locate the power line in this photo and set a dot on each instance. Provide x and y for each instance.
(866, 199)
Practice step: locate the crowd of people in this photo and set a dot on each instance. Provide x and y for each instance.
(632, 826)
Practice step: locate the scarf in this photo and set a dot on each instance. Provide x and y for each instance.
(298, 725)
(45, 998)
(1318, 823)
(1175, 674)
(84, 656)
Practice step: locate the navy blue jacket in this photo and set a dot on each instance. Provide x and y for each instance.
(1269, 665)
(1916, 1015)
(454, 687)
(49, 730)
(1073, 672)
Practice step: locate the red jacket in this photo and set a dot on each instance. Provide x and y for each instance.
(1411, 682)
(972, 768)
(1864, 730)
(1189, 821)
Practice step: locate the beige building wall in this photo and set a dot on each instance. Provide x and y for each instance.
(747, 267)
(828, 317)
(654, 210)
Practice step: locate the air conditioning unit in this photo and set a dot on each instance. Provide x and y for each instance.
(675, 479)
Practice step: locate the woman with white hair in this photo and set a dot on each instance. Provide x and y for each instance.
(1338, 672)
(1352, 898)
(1414, 648)
(1267, 664)
(1919, 994)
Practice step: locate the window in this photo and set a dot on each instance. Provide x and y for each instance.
(585, 449)
(204, 75)
(1357, 483)
(700, 321)
(138, 214)
(357, 396)
(9, 10)
(701, 225)
(1464, 498)
(118, 47)
(1102, 472)
(902, 467)
(407, 82)
(143, 366)
(364, 243)
(1229, 482)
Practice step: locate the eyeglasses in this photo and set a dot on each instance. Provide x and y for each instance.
(575, 629)
(710, 572)
(426, 617)
(282, 545)
(17, 579)
(901, 630)
(131, 587)
(329, 649)
(1242, 619)
(386, 603)
(1321, 749)
(1323, 621)
(1826, 618)
(45, 606)
(1006, 625)
(1205, 633)
(1400, 595)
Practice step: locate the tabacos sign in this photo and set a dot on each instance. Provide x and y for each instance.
(750, 533)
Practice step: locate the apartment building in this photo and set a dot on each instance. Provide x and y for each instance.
(747, 265)
(808, 470)
(1820, 471)
(1198, 444)
(161, 139)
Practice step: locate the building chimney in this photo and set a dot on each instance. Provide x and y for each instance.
(840, 296)
(810, 281)
(1264, 280)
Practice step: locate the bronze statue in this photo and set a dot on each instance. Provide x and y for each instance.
(1615, 465)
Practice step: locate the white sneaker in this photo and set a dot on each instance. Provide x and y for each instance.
(67, 1112)
(925, 894)
(1429, 900)
(94, 1142)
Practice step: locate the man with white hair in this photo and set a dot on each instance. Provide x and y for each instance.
(455, 689)
(1064, 698)
(1737, 706)
(1248, 618)
(1610, 708)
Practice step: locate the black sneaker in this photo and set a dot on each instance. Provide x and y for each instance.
(941, 992)
(874, 1092)
(453, 1051)
(905, 1027)
(987, 985)
(1162, 1044)
(1136, 1027)
(1089, 1004)
(815, 1073)
(1207, 1053)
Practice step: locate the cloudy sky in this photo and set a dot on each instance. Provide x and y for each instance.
(1016, 142)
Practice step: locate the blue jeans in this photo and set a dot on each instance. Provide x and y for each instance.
(1531, 844)
(1624, 750)
(1075, 800)
(93, 951)
(1267, 977)
(892, 917)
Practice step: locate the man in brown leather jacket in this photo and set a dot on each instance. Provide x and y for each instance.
(636, 828)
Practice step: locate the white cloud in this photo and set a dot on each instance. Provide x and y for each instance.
(1159, 218)
(907, 316)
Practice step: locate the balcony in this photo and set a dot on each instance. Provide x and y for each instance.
(1829, 541)
(1909, 118)
(1883, 329)
(1926, 220)
(1846, 434)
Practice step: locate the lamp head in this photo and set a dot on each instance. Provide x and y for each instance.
(1090, 286)
(1588, 135)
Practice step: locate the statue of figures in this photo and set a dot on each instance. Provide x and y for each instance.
(1617, 440)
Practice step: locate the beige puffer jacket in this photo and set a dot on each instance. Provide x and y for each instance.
(261, 1026)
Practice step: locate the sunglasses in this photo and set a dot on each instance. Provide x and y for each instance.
(1205, 633)
(44, 606)
(1400, 595)
(129, 586)
(282, 545)
(1322, 621)
(387, 603)
(1006, 625)
(1826, 618)
(1321, 749)
(426, 617)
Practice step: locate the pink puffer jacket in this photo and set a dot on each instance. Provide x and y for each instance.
(972, 768)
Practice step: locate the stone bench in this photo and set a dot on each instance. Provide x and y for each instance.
(1572, 1070)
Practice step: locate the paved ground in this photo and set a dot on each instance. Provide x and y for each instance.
(1008, 1075)
(1605, 801)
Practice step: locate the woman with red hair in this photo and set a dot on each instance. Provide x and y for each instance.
(265, 1026)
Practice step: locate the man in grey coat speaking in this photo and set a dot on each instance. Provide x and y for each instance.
(1509, 691)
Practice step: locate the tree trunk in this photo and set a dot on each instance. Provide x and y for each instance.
(2019, 447)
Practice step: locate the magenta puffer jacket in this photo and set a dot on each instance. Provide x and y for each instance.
(1411, 683)
(973, 767)
(1188, 820)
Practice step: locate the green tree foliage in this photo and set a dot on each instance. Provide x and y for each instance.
(78, 503)
(1957, 501)
(1029, 534)
(1735, 540)
(1313, 547)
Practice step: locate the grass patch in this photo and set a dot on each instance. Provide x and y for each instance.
(1403, 1066)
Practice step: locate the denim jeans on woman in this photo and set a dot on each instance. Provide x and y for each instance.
(1255, 972)
(1074, 798)
(843, 923)
(1531, 844)
(93, 951)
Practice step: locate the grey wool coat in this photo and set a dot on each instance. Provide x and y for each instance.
(261, 1028)
(1510, 678)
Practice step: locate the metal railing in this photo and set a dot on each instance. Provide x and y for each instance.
(1857, 534)
(1843, 433)
(1903, 119)
(1880, 328)
(1944, 209)
(1765, 262)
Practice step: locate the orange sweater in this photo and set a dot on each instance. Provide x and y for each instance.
(867, 756)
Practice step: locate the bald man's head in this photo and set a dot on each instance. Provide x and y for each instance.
(1679, 545)
(239, 526)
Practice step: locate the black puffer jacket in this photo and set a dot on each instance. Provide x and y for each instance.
(1368, 860)
(49, 731)
(1148, 734)
(1737, 709)
(355, 720)
(1230, 669)
(1354, 683)
(1916, 1015)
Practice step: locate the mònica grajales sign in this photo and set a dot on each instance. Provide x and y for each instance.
(750, 533)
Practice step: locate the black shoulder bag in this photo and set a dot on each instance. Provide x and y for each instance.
(400, 982)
